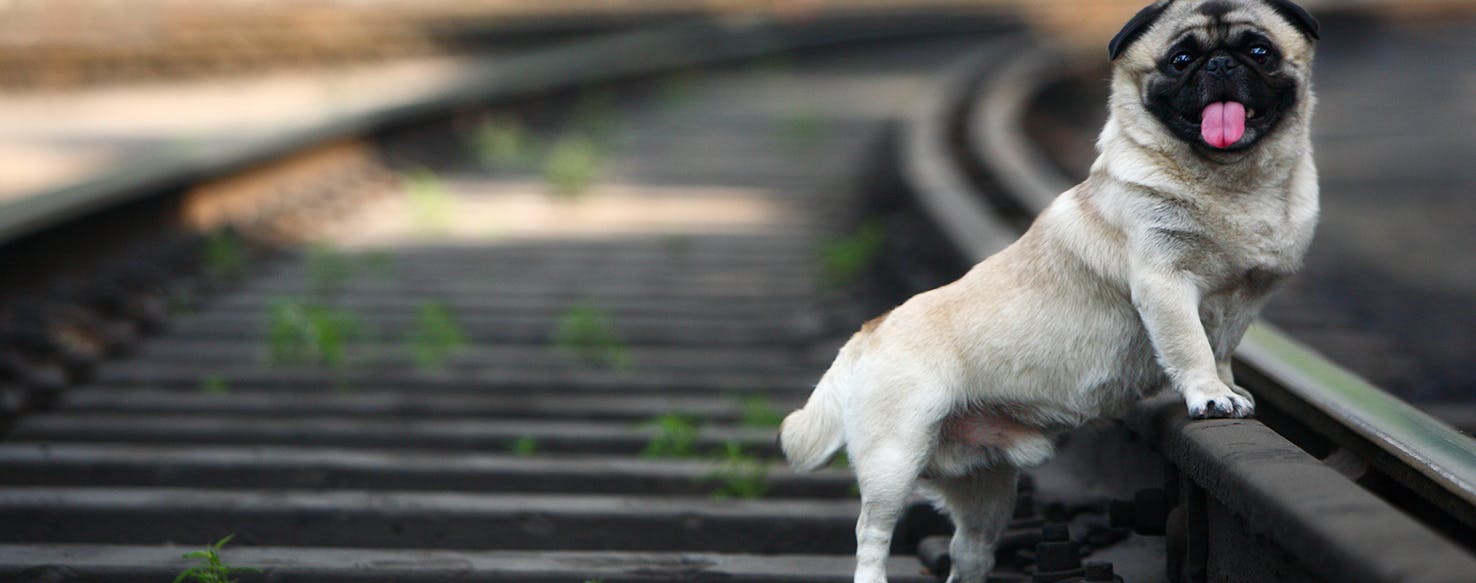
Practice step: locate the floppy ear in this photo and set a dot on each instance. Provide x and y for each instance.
(1298, 16)
(1134, 29)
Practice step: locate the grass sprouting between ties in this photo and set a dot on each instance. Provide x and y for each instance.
(800, 130)
(844, 259)
(758, 412)
(302, 333)
(524, 446)
(572, 165)
(212, 569)
(328, 270)
(436, 336)
(595, 115)
(676, 436)
(431, 206)
(739, 474)
(379, 264)
(224, 255)
(501, 143)
(586, 334)
(215, 384)
(679, 89)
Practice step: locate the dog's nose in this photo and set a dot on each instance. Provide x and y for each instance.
(1220, 65)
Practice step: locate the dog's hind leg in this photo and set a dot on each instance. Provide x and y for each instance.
(980, 504)
(887, 467)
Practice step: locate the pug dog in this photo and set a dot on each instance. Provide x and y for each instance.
(1146, 275)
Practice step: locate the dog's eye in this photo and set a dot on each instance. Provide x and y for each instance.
(1181, 60)
(1260, 53)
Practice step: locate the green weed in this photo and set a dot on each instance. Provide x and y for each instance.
(595, 114)
(679, 89)
(740, 475)
(186, 145)
(776, 65)
(436, 336)
(676, 244)
(757, 412)
(524, 446)
(215, 384)
(843, 259)
(676, 436)
(224, 255)
(181, 301)
(573, 164)
(328, 271)
(502, 143)
(304, 333)
(379, 263)
(212, 569)
(585, 333)
(431, 205)
(800, 130)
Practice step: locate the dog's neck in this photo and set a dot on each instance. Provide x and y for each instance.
(1153, 159)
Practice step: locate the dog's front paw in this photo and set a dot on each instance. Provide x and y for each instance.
(1218, 402)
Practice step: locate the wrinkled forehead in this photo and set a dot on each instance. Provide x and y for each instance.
(1214, 22)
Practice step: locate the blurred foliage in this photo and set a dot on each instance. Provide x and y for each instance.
(740, 474)
(431, 205)
(573, 164)
(524, 446)
(676, 436)
(585, 333)
(436, 336)
(679, 89)
(800, 130)
(596, 116)
(843, 259)
(302, 333)
(676, 244)
(215, 384)
(501, 143)
(758, 412)
(328, 270)
(224, 255)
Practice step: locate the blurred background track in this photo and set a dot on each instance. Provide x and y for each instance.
(622, 350)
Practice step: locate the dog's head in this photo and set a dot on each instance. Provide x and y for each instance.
(1221, 76)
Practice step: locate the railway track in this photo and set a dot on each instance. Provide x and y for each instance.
(415, 396)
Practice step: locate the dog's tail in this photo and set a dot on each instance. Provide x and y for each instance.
(813, 435)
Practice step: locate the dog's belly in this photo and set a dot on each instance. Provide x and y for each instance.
(985, 428)
(1010, 411)
(982, 437)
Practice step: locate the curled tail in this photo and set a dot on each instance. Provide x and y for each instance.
(813, 435)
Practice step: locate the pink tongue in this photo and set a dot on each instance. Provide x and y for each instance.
(1222, 124)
